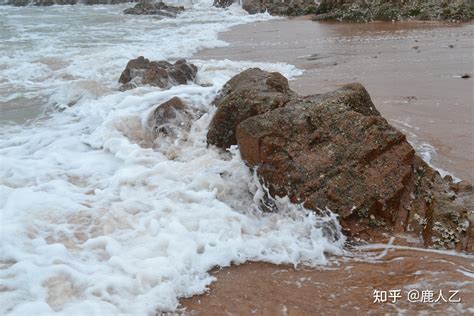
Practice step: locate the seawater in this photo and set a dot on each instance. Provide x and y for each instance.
(96, 221)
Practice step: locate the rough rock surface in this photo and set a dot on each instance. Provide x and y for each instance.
(274, 7)
(336, 151)
(90, 2)
(170, 118)
(53, 2)
(154, 8)
(370, 10)
(223, 3)
(18, 3)
(141, 71)
(249, 93)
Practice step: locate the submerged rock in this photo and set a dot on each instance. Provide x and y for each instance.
(336, 151)
(141, 71)
(168, 127)
(249, 93)
(170, 119)
(154, 8)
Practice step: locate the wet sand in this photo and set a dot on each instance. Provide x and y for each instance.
(345, 286)
(412, 71)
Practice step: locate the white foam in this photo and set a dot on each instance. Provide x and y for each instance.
(424, 149)
(94, 223)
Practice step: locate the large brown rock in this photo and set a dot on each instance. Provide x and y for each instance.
(247, 94)
(332, 150)
(141, 71)
(170, 119)
(336, 151)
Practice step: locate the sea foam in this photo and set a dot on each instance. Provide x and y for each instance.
(94, 218)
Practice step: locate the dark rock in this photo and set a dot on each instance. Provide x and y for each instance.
(141, 71)
(170, 119)
(223, 3)
(247, 94)
(41, 2)
(18, 3)
(275, 7)
(370, 10)
(336, 151)
(333, 150)
(92, 2)
(154, 8)
(44, 3)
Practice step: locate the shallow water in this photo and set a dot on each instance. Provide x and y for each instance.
(95, 218)
(424, 280)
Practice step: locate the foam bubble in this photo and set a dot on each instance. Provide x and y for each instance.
(94, 221)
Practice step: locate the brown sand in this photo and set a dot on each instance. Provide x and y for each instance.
(343, 287)
(411, 72)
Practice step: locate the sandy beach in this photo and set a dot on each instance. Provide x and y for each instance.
(411, 70)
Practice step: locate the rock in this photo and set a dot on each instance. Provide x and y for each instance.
(335, 150)
(92, 2)
(170, 118)
(63, 2)
(249, 93)
(18, 3)
(41, 2)
(141, 71)
(276, 7)
(370, 10)
(154, 8)
(223, 3)
(168, 127)
(54, 2)
(332, 150)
